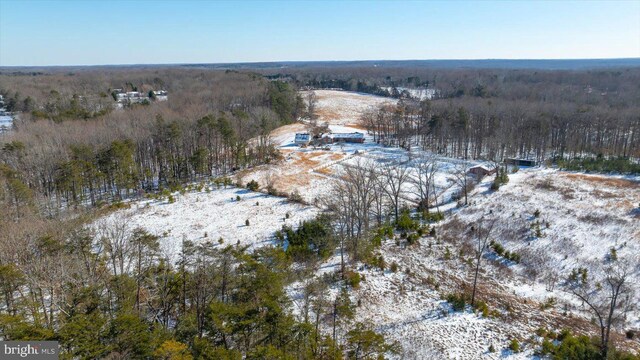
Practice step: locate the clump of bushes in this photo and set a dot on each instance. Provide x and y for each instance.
(296, 197)
(312, 238)
(514, 345)
(352, 279)
(579, 274)
(393, 267)
(406, 223)
(457, 301)
(501, 178)
(377, 262)
(433, 217)
(500, 251)
(600, 164)
(253, 185)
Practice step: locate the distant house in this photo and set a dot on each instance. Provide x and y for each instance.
(161, 95)
(520, 162)
(354, 137)
(481, 171)
(302, 139)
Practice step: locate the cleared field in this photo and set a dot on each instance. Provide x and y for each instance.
(208, 216)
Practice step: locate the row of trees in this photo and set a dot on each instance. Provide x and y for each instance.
(497, 128)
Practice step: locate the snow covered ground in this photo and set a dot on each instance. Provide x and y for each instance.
(310, 171)
(588, 215)
(216, 214)
(345, 107)
(582, 217)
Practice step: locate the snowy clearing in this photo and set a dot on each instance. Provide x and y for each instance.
(216, 213)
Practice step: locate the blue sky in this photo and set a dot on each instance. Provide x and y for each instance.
(156, 32)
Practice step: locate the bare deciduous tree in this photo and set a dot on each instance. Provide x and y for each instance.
(608, 296)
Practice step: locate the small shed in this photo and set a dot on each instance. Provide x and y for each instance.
(481, 171)
(520, 162)
(302, 139)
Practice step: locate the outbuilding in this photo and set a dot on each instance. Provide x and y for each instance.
(354, 137)
(481, 171)
(302, 139)
(520, 162)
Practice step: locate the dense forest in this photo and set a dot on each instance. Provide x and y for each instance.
(66, 150)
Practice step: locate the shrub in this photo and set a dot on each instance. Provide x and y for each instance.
(221, 241)
(386, 230)
(412, 239)
(246, 222)
(548, 304)
(492, 349)
(406, 223)
(482, 307)
(376, 262)
(238, 198)
(514, 345)
(393, 267)
(313, 237)
(296, 197)
(253, 185)
(171, 199)
(501, 179)
(433, 217)
(630, 334)
(572, 347)
(457, 301)
(271, 190)
(536, 213)
(352, 279)
(499, 249)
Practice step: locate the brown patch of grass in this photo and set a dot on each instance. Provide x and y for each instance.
(314, 154)
(305, 161)
(325, 170)
(334, 157)
(601, 180)
(328, 114)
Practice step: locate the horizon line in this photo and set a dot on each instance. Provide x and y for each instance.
(316, 61)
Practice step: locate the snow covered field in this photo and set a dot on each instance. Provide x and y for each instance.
(216, 214)
(344, 107)
(582, 217)
(588, 215)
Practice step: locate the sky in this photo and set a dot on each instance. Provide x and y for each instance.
(95, 32)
